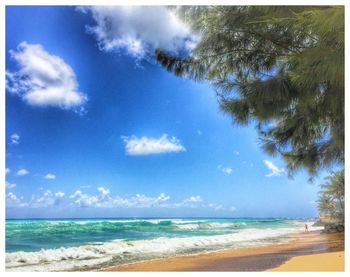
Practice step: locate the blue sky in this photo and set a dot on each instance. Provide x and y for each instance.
(95, 128)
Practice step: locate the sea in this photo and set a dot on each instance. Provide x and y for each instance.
(88, 244)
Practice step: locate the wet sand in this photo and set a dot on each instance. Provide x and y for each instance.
(246, 259)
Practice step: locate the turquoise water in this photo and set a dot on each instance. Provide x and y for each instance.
(64, 244)
(34, 235)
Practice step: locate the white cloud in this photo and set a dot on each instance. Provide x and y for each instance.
(83, 200)
(142, 201)
(22, 172)
(226, 170)
(47, 199)
(10, 185)
(59, 194)
(275, 171)
(191, 202)
(15, 138)
(50, 176)
(273, 124)
(139, 30)
(216, 207)
(104, 192)
(12, 201)
(194, 199)
(7, 170)
(43, 79)
(147, 146)
(233, 209)
(237, 153)
(103, 199)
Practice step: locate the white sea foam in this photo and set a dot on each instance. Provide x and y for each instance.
(188, 226)
(185, 221)
(153, 221)
(212, 225)
(67, 258)
(85, 222)
(222, 225)
(56, 222)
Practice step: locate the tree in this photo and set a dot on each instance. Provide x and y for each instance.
(331, 199)
(280, 67)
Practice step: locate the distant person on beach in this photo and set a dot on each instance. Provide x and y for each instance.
(306, 228)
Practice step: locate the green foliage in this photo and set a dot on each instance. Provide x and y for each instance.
(331, 199)
(281, 67)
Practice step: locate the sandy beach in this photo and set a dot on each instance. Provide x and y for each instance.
(312, 251)
(331, 261)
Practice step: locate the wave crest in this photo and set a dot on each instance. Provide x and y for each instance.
(122, 251)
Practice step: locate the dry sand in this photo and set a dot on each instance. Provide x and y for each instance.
(331, 261)
(302, 246)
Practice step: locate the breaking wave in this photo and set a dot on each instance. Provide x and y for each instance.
(88, 244)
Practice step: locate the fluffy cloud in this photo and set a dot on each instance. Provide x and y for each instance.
(83, 200)
(7, 170)
(142, 201)
(13, 201)
(146, 146)
(138, 30)
(10, 185)
(43, 79)
(105, 200)
(191, 202)
(216, 207)
(226, 170)
(15, 138)
(103, 191)
(50, 176)
(22, 172)
(47, 199)
(59, 194)
(194, 199)
(275, 171)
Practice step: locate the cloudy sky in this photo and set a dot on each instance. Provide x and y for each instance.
(95, 128)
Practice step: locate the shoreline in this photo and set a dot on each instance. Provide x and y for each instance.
(263, 258)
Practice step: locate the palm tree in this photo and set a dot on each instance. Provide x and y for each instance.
(331, 200)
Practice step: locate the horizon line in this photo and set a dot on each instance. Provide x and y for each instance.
(170, 217)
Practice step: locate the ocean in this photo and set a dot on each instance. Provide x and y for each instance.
(83, 244)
